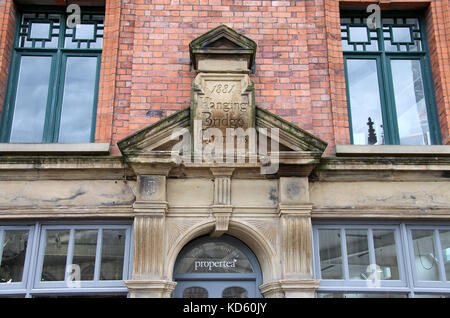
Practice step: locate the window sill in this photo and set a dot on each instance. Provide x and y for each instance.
(391, 150)
(54, 148)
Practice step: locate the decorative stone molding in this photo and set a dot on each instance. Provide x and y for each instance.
(295, 209)
(290, 288)
(144, 208)
(150, 288)
(222, 214)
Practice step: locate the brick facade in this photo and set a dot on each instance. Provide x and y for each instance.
(299, 72)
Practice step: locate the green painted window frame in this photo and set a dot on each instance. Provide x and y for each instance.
(57, 74)
(387, 98)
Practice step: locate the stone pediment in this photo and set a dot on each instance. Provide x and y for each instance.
(223, 127)
(154, 144)
(221, 42)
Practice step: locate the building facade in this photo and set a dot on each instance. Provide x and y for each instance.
(221, 148)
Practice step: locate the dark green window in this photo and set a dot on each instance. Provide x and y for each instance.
(389, 83)
(53, 82)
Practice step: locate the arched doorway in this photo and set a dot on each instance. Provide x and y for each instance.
(217, 268)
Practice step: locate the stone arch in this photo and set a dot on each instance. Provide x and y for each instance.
(265, 254)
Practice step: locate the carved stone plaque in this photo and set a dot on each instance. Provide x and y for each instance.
(223, 101)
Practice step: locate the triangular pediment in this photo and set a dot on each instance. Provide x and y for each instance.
(156, 140)
(222, 40)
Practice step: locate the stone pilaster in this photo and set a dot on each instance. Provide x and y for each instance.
(295, 222)
(148, 280)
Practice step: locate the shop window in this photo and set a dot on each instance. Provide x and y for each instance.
(54, 75)
(68, 260)
(390, 260)
(389, 83)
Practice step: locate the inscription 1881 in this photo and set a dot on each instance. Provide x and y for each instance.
(223, 105)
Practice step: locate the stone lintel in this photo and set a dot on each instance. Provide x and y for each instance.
(55, 148)
(150, 288)
(304, 288)
(392, 150)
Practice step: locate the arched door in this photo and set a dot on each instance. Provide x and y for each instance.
(217, 268)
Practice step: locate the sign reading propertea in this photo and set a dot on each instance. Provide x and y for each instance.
(223, 101)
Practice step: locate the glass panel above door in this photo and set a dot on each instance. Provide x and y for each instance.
(215, 257)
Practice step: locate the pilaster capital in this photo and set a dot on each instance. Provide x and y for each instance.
(150, 288)
(304, 288)
(301, 210)
(150, 208)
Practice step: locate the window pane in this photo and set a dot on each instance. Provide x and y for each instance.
(56, 243)
(84, 252)
(40, 31)
(113, 250)
(386, 254)
(358, 253)
(401, 34)
(358, 34)
(360, 295)
(84, 32)
(330, 254)
(78, 99)
(31, 99)
(13, 256)
(367, 124)
(235, 292)
(425, 256)
(445, 244)
(195, 292)
(410, 102)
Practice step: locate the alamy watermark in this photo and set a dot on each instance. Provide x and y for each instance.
(374, 19)
(74, 18)
(237, 146)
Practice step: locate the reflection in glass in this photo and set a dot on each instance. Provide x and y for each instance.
(84, 252)
(421, 295)
(410, 102)
(386, 254)
(195, 292)
(445, 245)
(78, 99)
(235, 292)
(13, 256)
(401, 34)
(113, 250)
(31, 99)
(365, 105)
(360, 295)
(358, 34)
(215, 257)
(358, 253)
(330, 254)
(56, 243)
(425, 255)
(40, 31)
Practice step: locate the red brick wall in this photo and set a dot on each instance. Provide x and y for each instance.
(299, 72)
(145, 72)
(7, 27)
